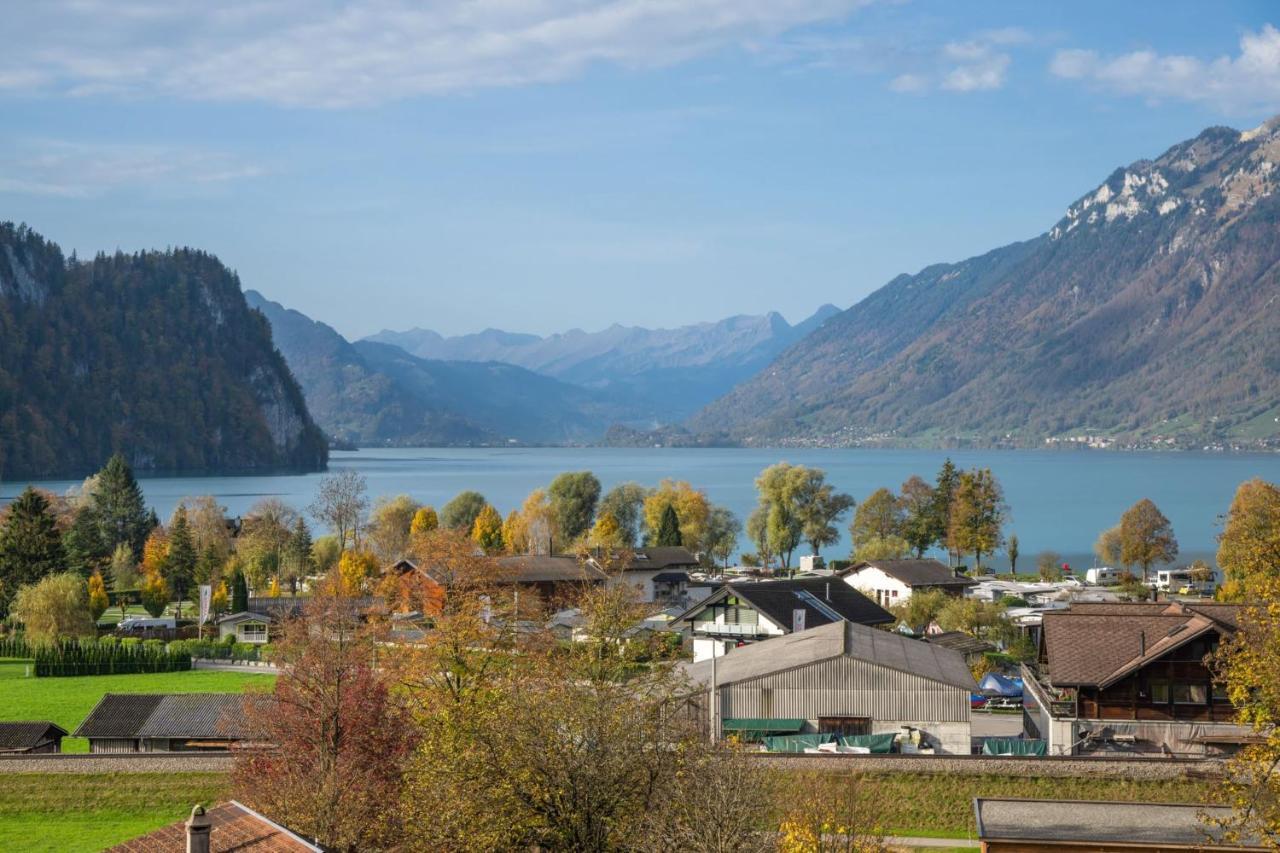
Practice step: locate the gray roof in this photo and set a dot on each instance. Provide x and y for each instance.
(543, 568)
(175, 715)
(1138, 824)
(913, 573)
(885, 648)
(246, 616)
(26, 734)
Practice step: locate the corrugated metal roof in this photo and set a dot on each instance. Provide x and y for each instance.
(119, 715)
(848, 639)
(177, 715)
(1138, 824)
(26, 734)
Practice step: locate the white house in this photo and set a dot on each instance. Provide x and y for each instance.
(246, 627)
(745, 612)
(660, 573)
(889, 582)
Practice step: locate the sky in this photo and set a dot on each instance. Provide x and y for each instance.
(541, 165)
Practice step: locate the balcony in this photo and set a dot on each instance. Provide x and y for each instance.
(716, 629)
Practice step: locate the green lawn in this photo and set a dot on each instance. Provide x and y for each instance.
(67, 701)
(82, 813)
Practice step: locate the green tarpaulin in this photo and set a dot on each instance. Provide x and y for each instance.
(796, 743)
(1011, 746)
(761, 724)
(875, 743)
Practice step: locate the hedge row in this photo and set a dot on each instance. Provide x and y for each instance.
(224, 649)
(72, 657)
(14, 647)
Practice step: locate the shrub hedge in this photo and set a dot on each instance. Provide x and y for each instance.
(72, 657)
(225, 649)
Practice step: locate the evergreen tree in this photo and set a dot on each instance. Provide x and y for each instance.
(83, 545)
(298, 562)
(180, 568)
(669, 528)
(30, 547)
(239, 593)
(209, 565)
(943, 493)
(118, 511)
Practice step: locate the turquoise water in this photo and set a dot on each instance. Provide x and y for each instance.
(1059, 500)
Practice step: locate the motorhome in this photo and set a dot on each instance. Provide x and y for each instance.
(1102, 576)
(142, 624)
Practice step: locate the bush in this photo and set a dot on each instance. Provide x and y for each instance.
(14, 647)
(73, 657)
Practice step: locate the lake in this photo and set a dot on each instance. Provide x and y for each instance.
(1059, 500)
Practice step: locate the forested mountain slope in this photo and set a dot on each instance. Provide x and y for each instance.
(1149, 314)
(370, 393)
(154, 354)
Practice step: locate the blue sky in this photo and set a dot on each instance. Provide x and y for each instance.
(550, 164)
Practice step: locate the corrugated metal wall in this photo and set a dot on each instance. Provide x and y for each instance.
(845, 687)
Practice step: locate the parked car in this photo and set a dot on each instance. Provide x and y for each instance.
(1004, 703)
(142, 624)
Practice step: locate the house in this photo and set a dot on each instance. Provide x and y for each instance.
(1033, 826)
(31, 737)
(246, 627)
(661, 573)
(892, 581)
(230, 826)
(551, 576)
(176, 722)
(744, 612)
(842, 678)
(1132, 678)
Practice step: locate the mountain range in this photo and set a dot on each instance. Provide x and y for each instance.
(662, 375)
(1148, 315)
(153, 354)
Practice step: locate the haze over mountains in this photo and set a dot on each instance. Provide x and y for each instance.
(1149, 313)
(665, 375)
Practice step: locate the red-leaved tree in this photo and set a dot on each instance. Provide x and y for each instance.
(331, 743)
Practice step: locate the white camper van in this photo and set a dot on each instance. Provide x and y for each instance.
(1102, 576)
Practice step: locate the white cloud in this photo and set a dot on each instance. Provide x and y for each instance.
(977, 64)
(1249, 80)
(75, 170)
(339, 53)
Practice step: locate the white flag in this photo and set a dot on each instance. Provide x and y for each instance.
(206, 595)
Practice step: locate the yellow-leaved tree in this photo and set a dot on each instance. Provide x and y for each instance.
(99, 601)
(691, 507)
(357, 569)
(1249, 547)
(487, 530)
(155, 593)
(425, 520)
(220, 598)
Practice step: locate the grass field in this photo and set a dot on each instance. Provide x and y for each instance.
(67, 701)
(62, 813)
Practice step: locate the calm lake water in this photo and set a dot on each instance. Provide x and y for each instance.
(1059, 500)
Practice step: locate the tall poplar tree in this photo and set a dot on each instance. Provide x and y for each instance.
(180, 568)
(669, 528)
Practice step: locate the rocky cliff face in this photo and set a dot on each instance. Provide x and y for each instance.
(1150, 313)
(155, 355)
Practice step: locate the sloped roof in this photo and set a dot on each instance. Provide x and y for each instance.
(961, 642)
(545, 568)
(914, 572)
(660, 557)
(823, 600)
(884, 648)
(175, 715)
(246, 616)
(26, 734)
(1136, 824)
(233, 827)
(1098, 644)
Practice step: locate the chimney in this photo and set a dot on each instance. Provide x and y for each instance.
(1142, 643)
(198, 826)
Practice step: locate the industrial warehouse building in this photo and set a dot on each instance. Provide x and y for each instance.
(841, 678)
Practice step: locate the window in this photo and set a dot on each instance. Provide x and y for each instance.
(845, 725)
(253, 632)
(1220, 696)
(1190, 694)
(1160, 693)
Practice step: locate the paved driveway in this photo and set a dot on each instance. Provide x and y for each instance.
(986, 724)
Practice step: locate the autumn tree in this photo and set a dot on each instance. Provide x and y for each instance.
(209, 532)
(691, 508)
(1249, 547)
(1012, 550)
(357, 570)
(424, 521)
(487, 530)
(1146, 537)
(342, 736)
(460, 513)
(155, 553)
(920, 608)
(268, 527)
(390, 526)
(98, 600)
(625, 502)
(606, 532)
(124, 569)
(531, 530)
(1107, 547)
(30, 545)
(340, 504)
(155, 594)
(55, 607)
(1049, 565)
(978, 514)
(758, 533)
(876, 530)
(219, 598)
(298, 563)
(800, 506)
(573, 496)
